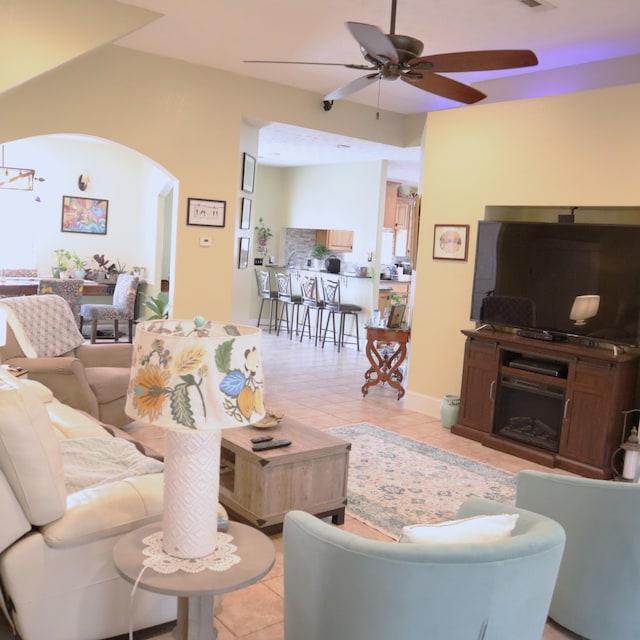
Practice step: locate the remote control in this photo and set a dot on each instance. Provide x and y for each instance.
(258, 439)
(274, 444)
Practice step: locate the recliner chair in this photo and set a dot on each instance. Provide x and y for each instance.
(43, 338)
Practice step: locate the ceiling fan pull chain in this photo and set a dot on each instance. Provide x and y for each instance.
(378, 104)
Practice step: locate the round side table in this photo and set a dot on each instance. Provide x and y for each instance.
(195, 591)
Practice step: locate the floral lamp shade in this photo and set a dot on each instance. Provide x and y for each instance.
(196, 378)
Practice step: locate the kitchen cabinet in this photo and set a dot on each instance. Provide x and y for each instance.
(391, 199)
(335, 240)
(580, 392)
(404, 209)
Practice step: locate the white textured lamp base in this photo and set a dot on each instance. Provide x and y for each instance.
(191, 485)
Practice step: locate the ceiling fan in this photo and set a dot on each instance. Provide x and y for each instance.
(391, 56)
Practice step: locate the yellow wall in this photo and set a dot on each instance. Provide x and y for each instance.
(572, 150)
(192, 120)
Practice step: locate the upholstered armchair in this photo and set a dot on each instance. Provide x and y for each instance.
(123, 308)
(596, 595)
(43, 338)
(339, 585)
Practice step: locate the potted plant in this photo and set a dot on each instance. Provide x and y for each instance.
(159, 306)
(105, 268)
(264, 233)
(79, 264)
(318, 255)
(62, 258)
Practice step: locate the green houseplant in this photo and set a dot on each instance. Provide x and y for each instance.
(63, 257)
(159, 306)
(263, 233)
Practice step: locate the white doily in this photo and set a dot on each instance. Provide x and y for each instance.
(221, 559)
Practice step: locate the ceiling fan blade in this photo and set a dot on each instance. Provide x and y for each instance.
(373, 41)
(365, 67)
(352, 87)
(446, 87)
(476, 60)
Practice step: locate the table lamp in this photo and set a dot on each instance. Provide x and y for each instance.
(583, 308)
(195, 378)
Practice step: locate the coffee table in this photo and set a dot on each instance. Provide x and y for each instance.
(259, 487)
(195, 591)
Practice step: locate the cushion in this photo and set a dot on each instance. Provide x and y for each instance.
(30, 455)
(467, 530)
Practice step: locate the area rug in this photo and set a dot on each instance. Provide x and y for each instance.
(396, 481)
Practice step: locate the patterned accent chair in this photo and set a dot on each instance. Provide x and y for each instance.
(123, 308)
(70, 290)
(43, 339)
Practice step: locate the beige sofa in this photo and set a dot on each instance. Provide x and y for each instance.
(56, 571)
(42, 337)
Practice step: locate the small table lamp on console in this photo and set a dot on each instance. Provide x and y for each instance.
(195, 378)
(583, 308)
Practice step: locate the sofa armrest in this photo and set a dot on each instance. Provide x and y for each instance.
(107, 510)
(105, 355)
(66, 378)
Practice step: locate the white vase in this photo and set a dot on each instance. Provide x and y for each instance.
(449, 408)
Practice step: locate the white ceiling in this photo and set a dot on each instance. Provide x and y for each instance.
(580, 44)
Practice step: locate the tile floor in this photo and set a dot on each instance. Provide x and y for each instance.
(322, 387)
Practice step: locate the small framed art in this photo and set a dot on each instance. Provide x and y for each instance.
(84, 215)
(206, 213)
(450, 241)
(396, 316)
(245, 217)
(248, 173)
(243, 253)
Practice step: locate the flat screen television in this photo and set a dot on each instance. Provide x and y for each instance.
(559, 280)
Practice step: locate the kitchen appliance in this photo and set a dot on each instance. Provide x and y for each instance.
(332, 264)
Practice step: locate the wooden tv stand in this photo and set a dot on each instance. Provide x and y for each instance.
(593, 387)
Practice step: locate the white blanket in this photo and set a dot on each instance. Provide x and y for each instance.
(89, 462)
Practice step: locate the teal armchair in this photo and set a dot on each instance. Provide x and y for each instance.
(596, 595)
(340, 585)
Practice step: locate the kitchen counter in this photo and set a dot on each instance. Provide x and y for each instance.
(342, 274)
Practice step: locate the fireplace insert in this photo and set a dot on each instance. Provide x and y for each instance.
(529, 412)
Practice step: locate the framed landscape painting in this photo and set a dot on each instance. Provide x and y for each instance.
(84, 215)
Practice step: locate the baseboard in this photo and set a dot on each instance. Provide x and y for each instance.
(422, 403)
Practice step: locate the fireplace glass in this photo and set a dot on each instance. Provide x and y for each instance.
(529, 412)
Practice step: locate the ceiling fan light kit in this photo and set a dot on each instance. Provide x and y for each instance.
(392, 56)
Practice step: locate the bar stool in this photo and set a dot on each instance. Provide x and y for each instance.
(286, 300)
(263, 280)
(310, 300)
(333, 304)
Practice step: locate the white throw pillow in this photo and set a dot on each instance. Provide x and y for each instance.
(475, 529)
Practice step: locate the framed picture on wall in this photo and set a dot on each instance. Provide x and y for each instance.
(206, 213)
(84, 215)
(243, 253)
(248, 173)
(450, 241)
(245, 217)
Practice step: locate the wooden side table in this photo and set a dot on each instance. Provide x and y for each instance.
(386, 350)
(195, 591)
